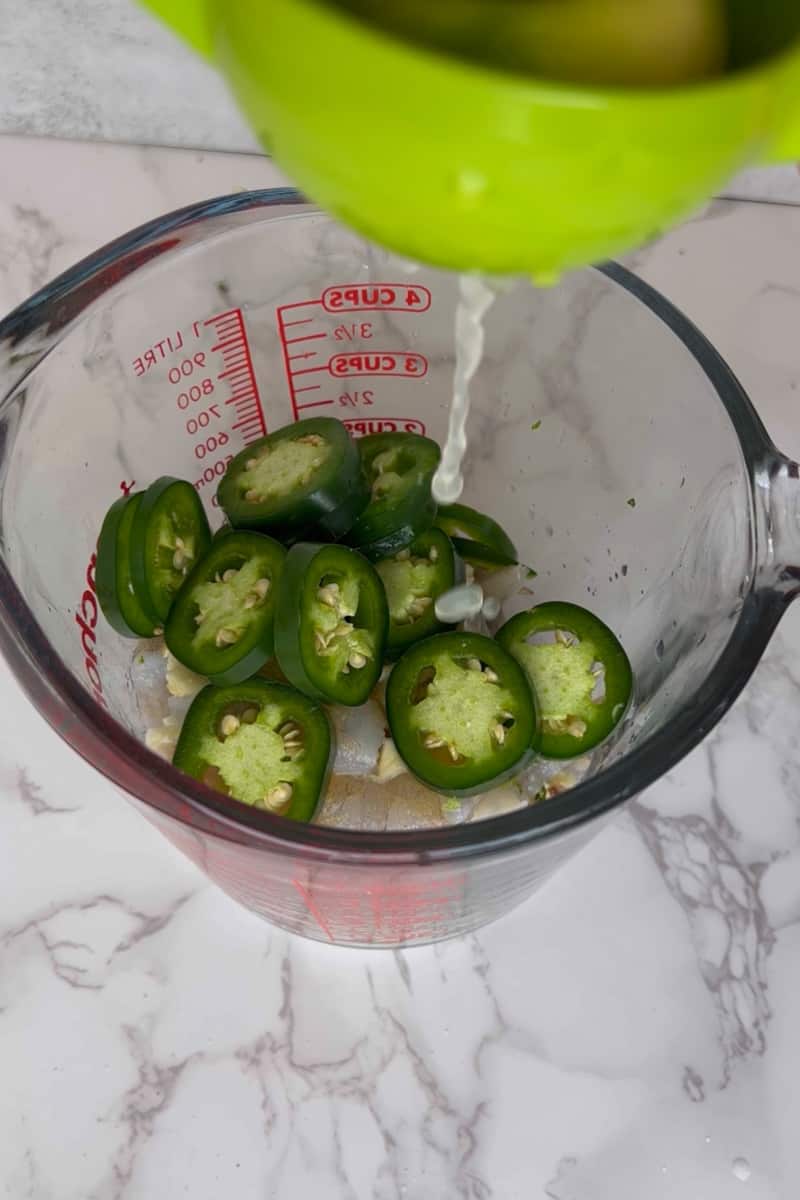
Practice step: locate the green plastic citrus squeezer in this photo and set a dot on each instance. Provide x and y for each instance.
(472, 165)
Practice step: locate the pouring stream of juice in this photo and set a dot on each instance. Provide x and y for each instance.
(476, 299)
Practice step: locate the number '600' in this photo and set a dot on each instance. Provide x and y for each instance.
(211, 444)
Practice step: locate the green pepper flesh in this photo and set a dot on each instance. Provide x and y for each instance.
(331, 623)
(262, 743)
(461, 713)
(222, 622)
(579, 671)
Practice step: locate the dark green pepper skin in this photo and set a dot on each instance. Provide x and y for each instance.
(398, 468)
(409, 683)
(263, 558)
(204, 719)
(477, 538)
(567, 678)
(445, 571)
(309, 658)
(328, 502)
(169, 507)
(119, 603)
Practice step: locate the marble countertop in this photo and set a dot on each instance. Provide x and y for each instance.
(631, 1032)
(108, 69)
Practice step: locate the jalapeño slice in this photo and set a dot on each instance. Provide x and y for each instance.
(262, 743)
(330, 623)
(169, 535)
(398, 468)
(413, 579)
(477, 538)
(579, 671)
(115, 594)
(303, 477)
(221, 624)
(461, 713)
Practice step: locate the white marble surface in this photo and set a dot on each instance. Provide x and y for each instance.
(775, 185)
(109, 70)
(632, 1032)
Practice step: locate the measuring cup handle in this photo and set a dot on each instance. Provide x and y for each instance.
(188, 19)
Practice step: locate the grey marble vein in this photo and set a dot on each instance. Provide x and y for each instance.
(733, 939)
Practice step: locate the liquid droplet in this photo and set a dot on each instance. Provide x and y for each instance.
(459, 604)
(741, 1169)
(491, 608)
(546, 278)
(660, 649)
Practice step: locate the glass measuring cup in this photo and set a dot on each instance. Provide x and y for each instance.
(606, 434)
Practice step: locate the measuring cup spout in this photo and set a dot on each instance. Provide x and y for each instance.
(777, 494)
(187, 18)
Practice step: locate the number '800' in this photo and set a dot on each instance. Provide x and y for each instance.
(194, 393)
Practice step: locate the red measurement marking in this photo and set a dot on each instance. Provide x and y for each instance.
(158, 353)
(383, 425)
(237, 372)
(209, 368)
(395, 909)
(402, 910)
(304, 324)
(413, 366)
(366, 297)
(312, 908)
(357, 399)
(87, 615)
(356, 331)
(309, 337)
(127, 488)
